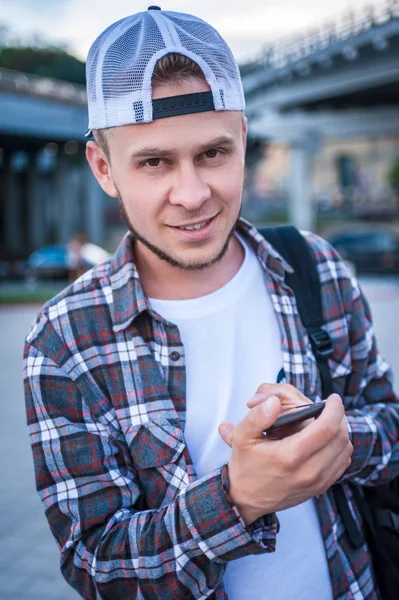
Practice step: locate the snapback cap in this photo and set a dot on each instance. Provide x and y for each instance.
(121, 62)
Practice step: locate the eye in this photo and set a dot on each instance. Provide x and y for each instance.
(212, 153)
(153, 162)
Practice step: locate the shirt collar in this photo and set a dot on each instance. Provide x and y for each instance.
(269, 258)
(128, 297)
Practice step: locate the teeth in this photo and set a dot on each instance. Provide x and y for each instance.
(195, 227)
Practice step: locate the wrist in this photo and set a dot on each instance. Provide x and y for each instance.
(248, 513)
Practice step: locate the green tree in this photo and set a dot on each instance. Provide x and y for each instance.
(393, 175)
(393, 178)
(46, 62)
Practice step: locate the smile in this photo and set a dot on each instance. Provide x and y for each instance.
(195, 227)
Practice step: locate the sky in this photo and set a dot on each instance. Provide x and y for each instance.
(245, 25)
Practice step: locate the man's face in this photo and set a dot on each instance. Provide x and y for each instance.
(178, 173)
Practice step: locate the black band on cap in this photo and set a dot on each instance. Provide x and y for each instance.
(182, 105)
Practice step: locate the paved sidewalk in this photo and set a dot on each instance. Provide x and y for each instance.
(29, 559)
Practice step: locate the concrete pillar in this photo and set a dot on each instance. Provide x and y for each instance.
(94, 208)
(12, 209)
(302, 209)
(66, 197)
(50, 209)
(77, 219)
(36, 214)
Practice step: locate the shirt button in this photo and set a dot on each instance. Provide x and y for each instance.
(174, 355)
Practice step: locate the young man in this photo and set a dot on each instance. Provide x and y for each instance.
(150, 380)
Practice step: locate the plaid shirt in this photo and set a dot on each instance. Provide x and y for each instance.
(105, 396)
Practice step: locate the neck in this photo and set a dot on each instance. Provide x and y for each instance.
(165, 282)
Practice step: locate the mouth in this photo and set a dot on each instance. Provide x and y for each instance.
(196, 231)
(196, 226)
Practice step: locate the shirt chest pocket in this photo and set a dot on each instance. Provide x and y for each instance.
(157, 453)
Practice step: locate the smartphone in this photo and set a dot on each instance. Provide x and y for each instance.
(298, 414)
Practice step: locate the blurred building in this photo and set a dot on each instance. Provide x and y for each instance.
(47, 191)
(331, 98)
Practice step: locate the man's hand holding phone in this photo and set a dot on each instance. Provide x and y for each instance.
(268, 475)
(296, 409)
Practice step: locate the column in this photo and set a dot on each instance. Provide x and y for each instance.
(64, 198)
(36, 216)
(301, 207)
(12, 209)
(94, 209)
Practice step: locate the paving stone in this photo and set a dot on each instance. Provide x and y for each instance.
(52, 589)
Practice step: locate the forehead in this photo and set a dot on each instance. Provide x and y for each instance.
(180, 132)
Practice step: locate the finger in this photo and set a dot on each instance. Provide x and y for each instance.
(257, 399)
(321, 431)
(326, 466)
(265, 391)
(226, 432)
(258, 419)
(284, 391)
(334, 409)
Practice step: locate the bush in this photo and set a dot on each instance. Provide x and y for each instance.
(393, 175)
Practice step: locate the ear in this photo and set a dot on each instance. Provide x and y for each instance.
(244, 131)
(101, 168)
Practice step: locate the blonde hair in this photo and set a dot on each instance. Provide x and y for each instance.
(173, 68)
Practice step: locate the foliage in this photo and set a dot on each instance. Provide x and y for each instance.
(39, 57)
(25, 296)
(46, 62)
(393, 174)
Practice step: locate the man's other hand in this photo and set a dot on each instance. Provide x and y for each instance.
(269, 475)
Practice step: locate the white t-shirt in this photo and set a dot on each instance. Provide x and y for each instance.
(232, 345)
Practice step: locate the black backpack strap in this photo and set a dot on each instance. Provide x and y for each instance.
(305, 283)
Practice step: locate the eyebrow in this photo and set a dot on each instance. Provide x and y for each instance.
(160, 153)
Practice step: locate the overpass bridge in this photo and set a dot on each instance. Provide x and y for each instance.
(338, 82)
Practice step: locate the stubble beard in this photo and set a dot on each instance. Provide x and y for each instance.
(179, 264)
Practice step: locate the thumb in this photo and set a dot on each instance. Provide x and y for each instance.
(226, 432)
(258, 419)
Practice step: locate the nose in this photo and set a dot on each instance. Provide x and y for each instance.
(189, 188)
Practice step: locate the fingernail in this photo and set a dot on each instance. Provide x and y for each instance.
(335, 395)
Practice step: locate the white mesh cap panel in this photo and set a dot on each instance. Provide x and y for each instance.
(121, 62)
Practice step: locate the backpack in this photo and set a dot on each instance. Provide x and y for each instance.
(378, 505)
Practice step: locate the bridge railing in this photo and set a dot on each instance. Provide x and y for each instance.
(44, 87)
(283, 52)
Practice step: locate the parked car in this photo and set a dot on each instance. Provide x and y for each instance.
(371, 249)
(51, 262)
